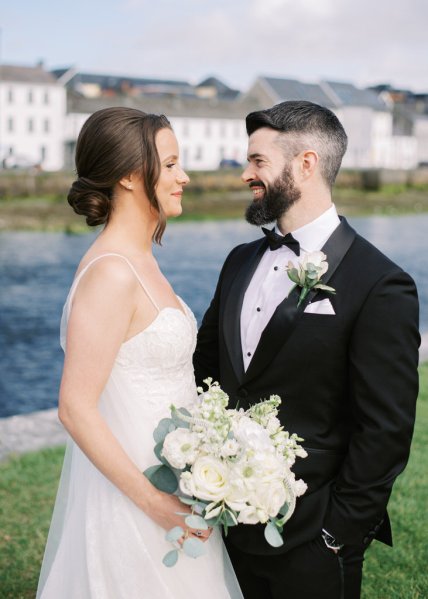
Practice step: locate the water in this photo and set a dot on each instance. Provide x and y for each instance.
(36, 270)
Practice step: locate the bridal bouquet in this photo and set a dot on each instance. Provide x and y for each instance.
(231, 466)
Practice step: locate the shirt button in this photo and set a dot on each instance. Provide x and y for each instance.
(248, 353)
(258, 309)
(275, 267)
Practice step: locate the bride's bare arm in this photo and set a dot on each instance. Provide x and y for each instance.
(104, 305)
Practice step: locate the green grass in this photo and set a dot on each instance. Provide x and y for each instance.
(27, 492)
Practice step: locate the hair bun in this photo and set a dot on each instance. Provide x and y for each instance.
(85, 199)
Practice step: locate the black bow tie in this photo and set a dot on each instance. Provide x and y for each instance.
(276, 241)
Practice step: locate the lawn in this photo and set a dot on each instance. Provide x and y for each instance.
(27, 491)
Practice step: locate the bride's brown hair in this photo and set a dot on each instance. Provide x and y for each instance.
(113, 143)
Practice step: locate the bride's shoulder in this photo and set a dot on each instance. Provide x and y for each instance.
(106, 273)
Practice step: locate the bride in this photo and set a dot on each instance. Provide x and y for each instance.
(128, 342)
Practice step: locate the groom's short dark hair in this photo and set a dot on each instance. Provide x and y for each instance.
(307, 123)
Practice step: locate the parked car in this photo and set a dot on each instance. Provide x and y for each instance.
(229, 163)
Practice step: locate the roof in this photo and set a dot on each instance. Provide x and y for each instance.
(21, 74)
(222, 89)
(333, 94)
(291, 89)
(120, 82)
(349, 95)
(171, 106)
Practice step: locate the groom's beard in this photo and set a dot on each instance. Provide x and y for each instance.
(277, 200)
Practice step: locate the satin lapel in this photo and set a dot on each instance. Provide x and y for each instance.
(233, 306)
(286, 316)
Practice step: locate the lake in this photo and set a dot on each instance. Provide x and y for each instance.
(36, 270)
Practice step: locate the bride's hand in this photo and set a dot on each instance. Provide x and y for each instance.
(163, 510)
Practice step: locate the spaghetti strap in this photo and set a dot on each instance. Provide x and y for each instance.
(83, 271)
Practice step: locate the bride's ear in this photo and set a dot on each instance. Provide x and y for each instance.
(127, 182)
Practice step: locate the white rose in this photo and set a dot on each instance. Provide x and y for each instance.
(269, 498)
(208, 479)
(251, 435)
(180, 447)
(317, 259)
(248, 515)
(270, 467)
(230, 448)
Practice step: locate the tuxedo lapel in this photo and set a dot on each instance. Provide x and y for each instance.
(233, 306)
(287, 314)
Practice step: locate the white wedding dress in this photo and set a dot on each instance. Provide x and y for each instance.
(100, 544)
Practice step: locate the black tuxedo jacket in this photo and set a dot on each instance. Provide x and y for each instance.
(348, 384)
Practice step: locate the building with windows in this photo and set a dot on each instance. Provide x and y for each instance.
(208, 130)
(366, 117)
(32, 117)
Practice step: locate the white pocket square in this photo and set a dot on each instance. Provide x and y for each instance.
(322, 307)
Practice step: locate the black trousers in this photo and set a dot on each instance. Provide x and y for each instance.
(310, 571)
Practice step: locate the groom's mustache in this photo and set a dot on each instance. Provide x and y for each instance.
(257, 184)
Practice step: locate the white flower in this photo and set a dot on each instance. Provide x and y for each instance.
(251, 435)
(317, 259)
(269, 498)
(248, 515)
(207, 480)
(300, 487)
(230, 448)
(180, 447)
(273, 424)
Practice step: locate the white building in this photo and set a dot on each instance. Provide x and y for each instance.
(208, 131)
(367, 119)
(32, 118)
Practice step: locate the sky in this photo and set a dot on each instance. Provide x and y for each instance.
(360, 41)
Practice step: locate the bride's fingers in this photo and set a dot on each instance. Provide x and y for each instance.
(202, 535)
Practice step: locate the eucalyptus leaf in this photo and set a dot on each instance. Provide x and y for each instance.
(193, 547)
(162, 429)
(163, 478)
(174, 534)
(193, 521)
(272, 535)
(294, 275)
(326, 288)
(188, 500)
(230, 518)
(170, 558)
(158, 453)
(175, 415)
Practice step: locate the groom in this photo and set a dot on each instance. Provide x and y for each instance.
(344, 364)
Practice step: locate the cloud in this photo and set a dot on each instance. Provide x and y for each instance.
(363, 42)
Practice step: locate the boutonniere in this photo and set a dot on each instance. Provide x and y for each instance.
(307, 275)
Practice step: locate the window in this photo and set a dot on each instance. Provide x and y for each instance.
(46, 98)
(221, 152)
(207, 128)
(198, 153)
(30, 125)
(30, 96)
(42, 153)
(10, 95)
(10, 124)
(46, 126)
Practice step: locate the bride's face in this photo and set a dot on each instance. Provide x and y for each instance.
(172, 178)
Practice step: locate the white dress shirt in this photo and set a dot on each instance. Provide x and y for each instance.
(270, 283)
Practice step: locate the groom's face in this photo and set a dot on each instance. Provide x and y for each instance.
(270, 177)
